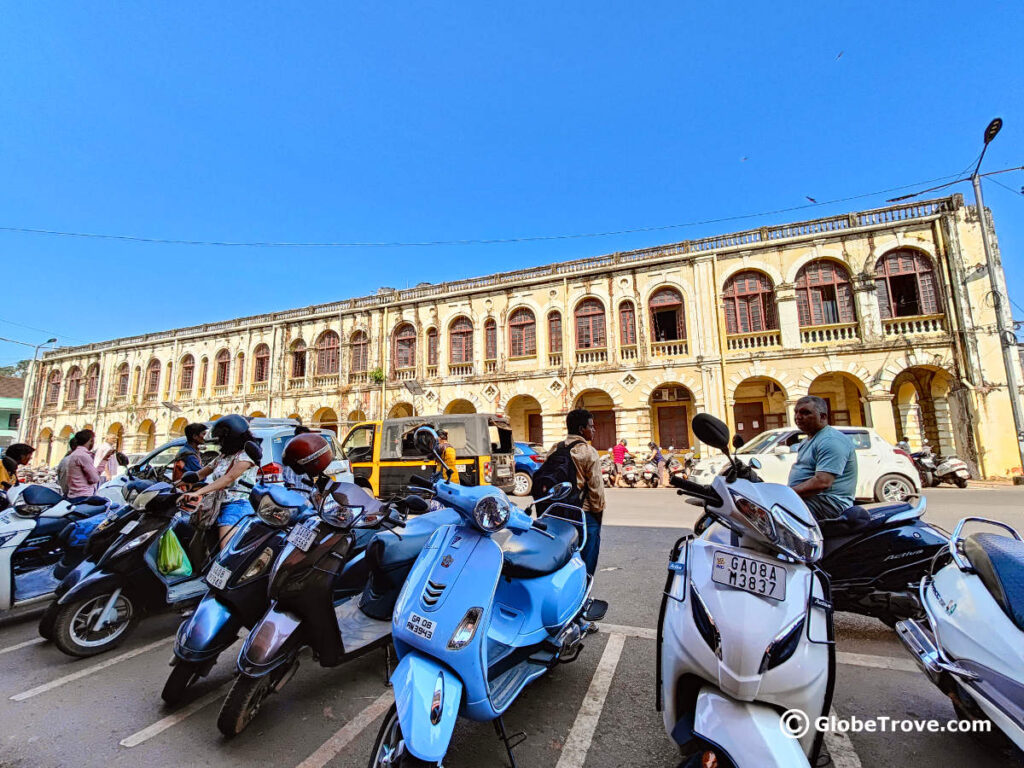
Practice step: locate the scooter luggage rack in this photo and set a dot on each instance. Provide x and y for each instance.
(956, 538)
(581, 523)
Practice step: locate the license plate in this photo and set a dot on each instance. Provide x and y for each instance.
(302, 537)
(963, 473)
(504, 471)
(218, 576)
(130, 526)
(421, 626)
(757, 576)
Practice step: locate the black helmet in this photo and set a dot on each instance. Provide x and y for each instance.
(231, 432)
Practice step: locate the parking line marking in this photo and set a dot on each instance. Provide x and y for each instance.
(574, 751)
(174, 718)
(841, 748)
(330, 748)
(88, 670)
(26, 644)
(649, 634)
(878, 662)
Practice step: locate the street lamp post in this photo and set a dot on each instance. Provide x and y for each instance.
(1004, 319)
(24, 427)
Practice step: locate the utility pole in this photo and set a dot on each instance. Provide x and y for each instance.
(1004, 319)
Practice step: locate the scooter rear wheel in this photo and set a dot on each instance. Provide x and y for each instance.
(387, 751)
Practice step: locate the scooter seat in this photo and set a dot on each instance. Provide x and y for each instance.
(861, 520)
(532, 554)
(92, 501)
(999, 562)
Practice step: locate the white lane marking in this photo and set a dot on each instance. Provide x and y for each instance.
(574, 752)
(26, 644)
(878, 662)
(649, 634)
(330, 748)
(89, 670)
(173, 719)
(841, 748)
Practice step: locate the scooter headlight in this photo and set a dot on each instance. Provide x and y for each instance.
(341, 515)
(759, 518)
(135, 543)
(491, 514)
(272, 513)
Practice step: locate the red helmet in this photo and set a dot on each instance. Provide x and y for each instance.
(307, 454)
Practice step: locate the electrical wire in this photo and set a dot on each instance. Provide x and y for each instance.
(1017, 192)
(41, 330)
(472, 241)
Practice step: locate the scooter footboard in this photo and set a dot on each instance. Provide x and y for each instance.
(427, 696)
(749, 733)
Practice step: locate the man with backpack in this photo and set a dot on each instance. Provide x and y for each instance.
(576, 461)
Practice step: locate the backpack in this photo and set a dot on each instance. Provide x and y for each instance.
(557, 468)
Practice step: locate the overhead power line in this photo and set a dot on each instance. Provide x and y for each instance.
(469, 241)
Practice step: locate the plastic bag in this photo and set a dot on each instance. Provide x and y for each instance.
(171, 559)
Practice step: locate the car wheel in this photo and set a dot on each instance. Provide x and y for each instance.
(893, 488)
(522, 484)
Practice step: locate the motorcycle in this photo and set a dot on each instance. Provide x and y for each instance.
(630, 474)
(607, 471)
(745, 628)
(326, 597)
(492, 603)
(924, 462)
(33, 544)
(971, 641)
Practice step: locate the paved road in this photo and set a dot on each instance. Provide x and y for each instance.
(78, 712)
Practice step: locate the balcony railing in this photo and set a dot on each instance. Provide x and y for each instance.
(460, 370)
(829, 334)
(431, 371)
(669, 348)
(149, 397)
(183, 394)
(490, 366)
(912, 326)
(220, 390)
(555, 359)
(326, 380)
(591, 356)
(260, 386)
(359, 377)
(628, 353)
(118, 399)
(759, 340)
(403, 374)
(298, 382)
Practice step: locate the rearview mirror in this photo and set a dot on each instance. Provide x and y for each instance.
(426, 439)
(712, 431)
(416, 505)
(254, 452)
(560, 491)
(755, 463)
(737, 441)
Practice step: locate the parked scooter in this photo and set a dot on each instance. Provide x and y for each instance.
(971, 642)
(607, 471)
(925, 463)
(491, 604)
(745, 630)
(31, 545)
(326, 597)
(649, 474)
(952, 470)
(630, 473)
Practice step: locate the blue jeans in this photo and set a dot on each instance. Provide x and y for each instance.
(593, 545)
(233, 511)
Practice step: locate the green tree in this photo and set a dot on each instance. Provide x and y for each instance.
(19, 370)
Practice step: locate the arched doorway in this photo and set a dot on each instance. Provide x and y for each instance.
(759, 404)
(524, 413)
(295, 416)
(921, 408)
(146, 439)
(117, 430)
(257, 415)
(844, 394)
(672, 408)
(601, 405)
(326, 418)
(401, 411)
(356, 416)
(178, 427)
(44, 447)
(460, 406)
(64, 441)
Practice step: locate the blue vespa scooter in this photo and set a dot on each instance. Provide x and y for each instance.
(490, 605)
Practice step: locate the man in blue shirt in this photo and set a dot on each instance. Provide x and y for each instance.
(189, 458)
(825, 472)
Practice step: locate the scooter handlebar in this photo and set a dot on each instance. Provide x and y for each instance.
(705, 492)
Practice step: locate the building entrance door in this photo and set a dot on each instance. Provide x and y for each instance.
(604, 424)
(749, 420)
(534, 431)
(673, 429)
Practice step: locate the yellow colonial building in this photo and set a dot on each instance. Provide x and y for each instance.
(884, 313)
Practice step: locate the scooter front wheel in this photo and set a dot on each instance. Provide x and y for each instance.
(183, 676)
(389, 748)
(75, 631)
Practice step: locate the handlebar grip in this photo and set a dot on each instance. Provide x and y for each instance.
(540, 525)
(696, 489)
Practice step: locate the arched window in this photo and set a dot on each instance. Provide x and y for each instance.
(460, 337)
(522, 334)
(92, 383)
(73, 387)
(555, 332)
(261, 364)
(905, 285)
(405, 347)
(222, 374)
(53, 388)
(152, 378)
(188, 367)
(327, 351)
(667, 320)
(627, 324)
(490, 339)
(432, 346)
(749, 303)
(298, 353)
(590, 325)
(123, 376)
(824, 295)
(360, 352)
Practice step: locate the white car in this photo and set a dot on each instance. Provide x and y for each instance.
(884, 473)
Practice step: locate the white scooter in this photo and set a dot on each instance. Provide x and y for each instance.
(971, 643)
(745, 631)
(29, 542)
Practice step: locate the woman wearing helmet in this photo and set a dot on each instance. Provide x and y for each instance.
(232, 474)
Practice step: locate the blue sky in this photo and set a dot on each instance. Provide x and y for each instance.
(439, 121)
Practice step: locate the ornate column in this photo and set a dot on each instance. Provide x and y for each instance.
(880, 415)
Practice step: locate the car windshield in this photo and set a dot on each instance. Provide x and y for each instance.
(761, 443)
